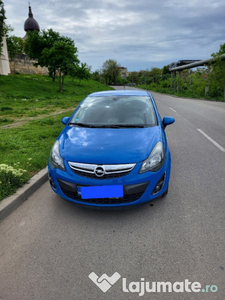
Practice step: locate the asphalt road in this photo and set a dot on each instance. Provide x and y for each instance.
(48, 247)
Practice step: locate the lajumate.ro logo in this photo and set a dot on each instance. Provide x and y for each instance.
(141, 287)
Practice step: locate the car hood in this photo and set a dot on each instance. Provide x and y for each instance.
(108, 145)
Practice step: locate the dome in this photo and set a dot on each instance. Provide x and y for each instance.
(31, 24)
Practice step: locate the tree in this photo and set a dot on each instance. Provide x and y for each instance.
(38, 41)
(14, 45)
(165, 72)
(111, 71)
(81, 72)
(97, 76)
(61, 58)
(134, 78)
(217, 74)
(155, 74)
(2, 24)
(49, 49)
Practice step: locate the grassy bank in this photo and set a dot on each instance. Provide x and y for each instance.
(197, 92)
(24, 96)
(30, 113)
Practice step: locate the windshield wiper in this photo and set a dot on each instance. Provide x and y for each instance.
(81, 124)
(121, 126)
(130, 126)
(107, 125)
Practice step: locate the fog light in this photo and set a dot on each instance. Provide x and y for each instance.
(159, 185)
(51, 181)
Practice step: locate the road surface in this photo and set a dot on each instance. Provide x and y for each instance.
(49, 247)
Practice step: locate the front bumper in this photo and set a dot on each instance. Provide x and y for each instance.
(137, 188)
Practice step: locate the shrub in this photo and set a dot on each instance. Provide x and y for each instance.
(11, 179)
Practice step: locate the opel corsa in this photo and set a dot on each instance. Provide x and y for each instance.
(113, 151)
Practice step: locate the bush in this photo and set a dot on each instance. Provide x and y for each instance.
(11, 179)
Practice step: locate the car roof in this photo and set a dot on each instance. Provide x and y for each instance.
(120, 93)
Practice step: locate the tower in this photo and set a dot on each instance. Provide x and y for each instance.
(30, 24)
(22, 63)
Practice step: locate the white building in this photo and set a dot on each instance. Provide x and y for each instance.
(4, 59)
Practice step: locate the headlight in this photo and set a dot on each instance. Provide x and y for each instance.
(56, 160)
(155, 160)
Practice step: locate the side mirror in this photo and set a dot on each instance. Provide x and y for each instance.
(65, 120)
(167, 121)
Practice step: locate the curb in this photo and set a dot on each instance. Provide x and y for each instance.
(11, 203)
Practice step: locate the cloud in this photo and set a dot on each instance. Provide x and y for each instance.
(153, 33)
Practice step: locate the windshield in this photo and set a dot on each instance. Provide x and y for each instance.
(118, 111)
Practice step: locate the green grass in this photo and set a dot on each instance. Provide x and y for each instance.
(28, 95)
(185, 93)
(27, 146)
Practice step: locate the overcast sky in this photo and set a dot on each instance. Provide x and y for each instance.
(137, 34)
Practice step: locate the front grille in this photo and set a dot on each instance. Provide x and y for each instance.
(106, 176)
(101, 171)
(124, 199)
(131, 193)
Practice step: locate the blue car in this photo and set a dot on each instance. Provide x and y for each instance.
(112, 152)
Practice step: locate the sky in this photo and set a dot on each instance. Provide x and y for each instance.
(139, 34)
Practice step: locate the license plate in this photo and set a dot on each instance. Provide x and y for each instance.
(105, 191)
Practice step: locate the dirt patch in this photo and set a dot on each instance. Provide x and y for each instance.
(20, 122)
